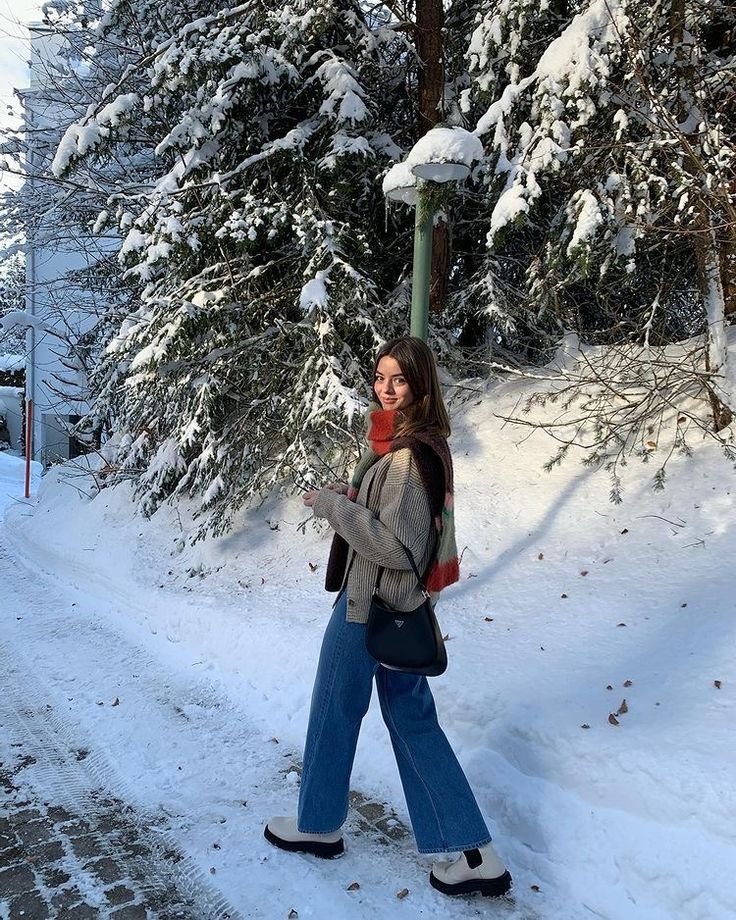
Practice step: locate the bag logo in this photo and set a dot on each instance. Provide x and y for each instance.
(399, 623)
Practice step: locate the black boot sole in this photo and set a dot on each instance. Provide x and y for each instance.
(488, 887)
(313, 847)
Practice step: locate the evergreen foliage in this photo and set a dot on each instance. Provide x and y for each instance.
(237, 156)
(611, 187)
(265, 270)
(612, 139)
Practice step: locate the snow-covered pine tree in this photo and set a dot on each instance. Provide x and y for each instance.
(612, 180)
(259, 250)
(597, 113)
(12, 299)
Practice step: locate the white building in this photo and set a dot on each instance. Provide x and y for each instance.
(58, 257)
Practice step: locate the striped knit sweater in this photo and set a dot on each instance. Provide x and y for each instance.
(396, 511)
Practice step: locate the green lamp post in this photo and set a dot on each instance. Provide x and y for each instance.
(442, 156)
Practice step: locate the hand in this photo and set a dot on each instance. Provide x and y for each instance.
(309, 498)
(339, 487)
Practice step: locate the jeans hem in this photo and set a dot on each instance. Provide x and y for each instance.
(457, 849)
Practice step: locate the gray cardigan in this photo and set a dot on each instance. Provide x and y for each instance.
(398, 512)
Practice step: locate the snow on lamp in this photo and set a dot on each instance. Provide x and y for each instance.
(444, 155)
(400, 184)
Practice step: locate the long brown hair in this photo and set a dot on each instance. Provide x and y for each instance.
(427, 412)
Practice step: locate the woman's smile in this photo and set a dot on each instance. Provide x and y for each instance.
(390, 385)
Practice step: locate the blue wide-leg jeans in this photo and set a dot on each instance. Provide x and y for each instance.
(444, 814)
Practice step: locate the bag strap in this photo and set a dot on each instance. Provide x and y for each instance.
(420, 582)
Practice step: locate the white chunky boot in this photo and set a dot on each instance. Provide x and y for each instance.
(283, 833)
(473, 871)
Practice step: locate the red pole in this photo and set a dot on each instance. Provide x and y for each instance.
(29, 444)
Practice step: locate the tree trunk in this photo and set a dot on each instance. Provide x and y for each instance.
(677, 20)
(710, 260)
(728, 266)
(441, 253)
(430, 22)
(715, 260)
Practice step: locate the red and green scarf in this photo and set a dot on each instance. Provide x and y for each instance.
(444, 568)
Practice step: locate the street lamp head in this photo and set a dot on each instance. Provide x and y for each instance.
(400, 184)
(441, 172)
(444, 155)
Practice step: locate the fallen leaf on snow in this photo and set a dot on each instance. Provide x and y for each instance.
(620, 624)
(535, 888)
(292, 915)
(612, 719)
(353, 886)
(540, 556)
(313, 567)
(585, 725)
(115, 702)
(717, 684)
(628, 683)
(584, 572)
(488, 619)
(623, 708)
(609, 687)
(402, 894)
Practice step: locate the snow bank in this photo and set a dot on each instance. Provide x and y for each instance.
(590, 694)
(12, 480)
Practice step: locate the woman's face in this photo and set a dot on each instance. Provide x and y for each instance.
(390, 385)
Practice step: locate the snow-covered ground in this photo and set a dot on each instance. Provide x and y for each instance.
(567, 606)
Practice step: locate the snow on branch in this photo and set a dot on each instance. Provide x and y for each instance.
(576, 65)
(82, 137)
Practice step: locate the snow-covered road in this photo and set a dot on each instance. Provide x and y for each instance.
(96, 717)
(59, 662)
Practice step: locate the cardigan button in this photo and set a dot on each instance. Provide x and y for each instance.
(351, 602)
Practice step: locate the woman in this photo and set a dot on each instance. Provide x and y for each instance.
(401, 493)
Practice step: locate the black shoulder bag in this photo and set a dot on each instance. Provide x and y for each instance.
(404, 640)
